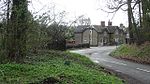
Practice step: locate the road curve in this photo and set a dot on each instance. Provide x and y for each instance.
(101, 56)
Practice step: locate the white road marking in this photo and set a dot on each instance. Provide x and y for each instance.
(108, 53)
(118, 70)
(95, 53)
(81, 50)
(119, 63)
(143, 70)
(96, 61)
(108, 65)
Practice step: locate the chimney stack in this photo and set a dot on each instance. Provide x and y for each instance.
(109, 23)
(121, 25)
(103, 23)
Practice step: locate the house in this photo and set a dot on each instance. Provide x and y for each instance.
(99, 35)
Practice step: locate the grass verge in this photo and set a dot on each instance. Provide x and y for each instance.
(140, 54)
(55, 67)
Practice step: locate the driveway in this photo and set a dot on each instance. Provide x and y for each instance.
(101, 56)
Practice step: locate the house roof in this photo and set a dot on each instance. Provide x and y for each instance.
(109, 29)
(112, 29)
(98, 28)
(81, 28)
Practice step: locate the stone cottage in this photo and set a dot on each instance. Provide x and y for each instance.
(99, 35)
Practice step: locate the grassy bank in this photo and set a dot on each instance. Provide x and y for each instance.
(55, 67)
(140, 54)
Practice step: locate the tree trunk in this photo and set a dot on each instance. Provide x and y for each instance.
(146, 20)
(16, 45)
(140, 13)
(130, 22)
(135, 29)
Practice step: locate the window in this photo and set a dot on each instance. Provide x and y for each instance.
(117, 32)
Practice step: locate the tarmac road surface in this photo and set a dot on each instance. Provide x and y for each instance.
(101, 56)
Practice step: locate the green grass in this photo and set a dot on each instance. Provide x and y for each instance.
(46, 64)
(125, 50)
(136, 53)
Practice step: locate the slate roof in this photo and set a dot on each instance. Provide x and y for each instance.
(81, 28)
(112, 29)
(98, 28)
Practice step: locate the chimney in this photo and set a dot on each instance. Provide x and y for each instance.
(121, 25)
(109, 23)
(103, 23)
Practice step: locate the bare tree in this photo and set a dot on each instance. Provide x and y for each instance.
(130, 6)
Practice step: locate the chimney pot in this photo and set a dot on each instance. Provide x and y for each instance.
(121, 25)
(103, 23)
(109, 23)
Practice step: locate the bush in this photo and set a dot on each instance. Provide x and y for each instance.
(85, 45)
(57, 45)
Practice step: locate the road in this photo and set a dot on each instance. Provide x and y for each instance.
(101, 56)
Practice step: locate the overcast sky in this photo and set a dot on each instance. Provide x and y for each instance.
(88, 8)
